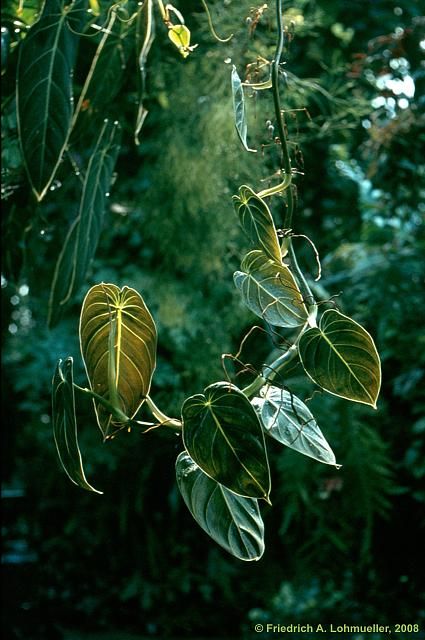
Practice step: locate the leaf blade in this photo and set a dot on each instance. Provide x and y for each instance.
(121, 313)
(270, 291)
(289, 421)
(44, 91)
(222, 434)
(65, 424)
(350, 370)
(83, 236)
(257, 222)
(239, 109)
(233, 521)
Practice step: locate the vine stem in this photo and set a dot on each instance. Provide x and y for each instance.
(270, 371)
(163, 419)
(287, 169)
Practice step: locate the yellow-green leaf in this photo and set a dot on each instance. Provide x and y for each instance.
(340, 356)
(179, 35)
(118, 344)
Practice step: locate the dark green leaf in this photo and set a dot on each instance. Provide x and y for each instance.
(44, 91)
(83, 236)
(239, 109)
(270, 291)
(257, 222)
(340, 356)
(118, 345)
(65, 424)
(287, 419)
(223, 435)
(233, 521)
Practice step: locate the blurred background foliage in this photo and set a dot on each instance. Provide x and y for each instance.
(342, 546)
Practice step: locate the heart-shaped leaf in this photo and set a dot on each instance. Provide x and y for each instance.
(65, 424)
(83, 236)
(257, 222)
(233, 521)
(118, 345)
(44, 90)
(287, 419)
(340, 356)
(269, 290)
(239, 109)
(223, 435)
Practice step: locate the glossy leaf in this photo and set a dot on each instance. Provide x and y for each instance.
(257, 222)
(65, 424)
(118, 345)
(44, 91)
(287, 419)
(239, 109)
(233, 521)
(340, 356)
(82, 239)
(269, 290)
(223, 435)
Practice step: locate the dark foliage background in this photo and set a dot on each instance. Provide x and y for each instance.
(341, 547)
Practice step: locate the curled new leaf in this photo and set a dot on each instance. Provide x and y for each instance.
(287, 419)
(180, 36)
(118, 345)
(257, 222)
(340, 356)
(223, 435)
(270, 291)
(233, 521)
(239, 109)
(44, 91)
(65, 424)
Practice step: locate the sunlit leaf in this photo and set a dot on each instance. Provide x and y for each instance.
(82, 239)
(44, 91)
(65, 424)
(239, 109)
(287, 419)
(257, 222)
(223, 435)
(118, 345)
(179, 35)
(270, 291)
(340, 356)
(233, 521)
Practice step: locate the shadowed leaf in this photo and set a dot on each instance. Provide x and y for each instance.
(118, 345)
(82, 239)
(65, 424)
(233, 521)
(287, 419)
(223, 435)
(340, 356)
(44, 91)
(269, 290)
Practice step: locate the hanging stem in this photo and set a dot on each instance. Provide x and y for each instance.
(163, 419)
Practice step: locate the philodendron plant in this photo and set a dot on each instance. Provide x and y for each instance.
(223, 469)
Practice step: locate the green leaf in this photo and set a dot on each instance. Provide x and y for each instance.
(287, 419)
(233, 521)
(223, 435)
(82, 239)
(239, 109)
(340, 356)
(257, 222)
(269, 290)
(44, 91)
(118, 345)
(65, 424)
